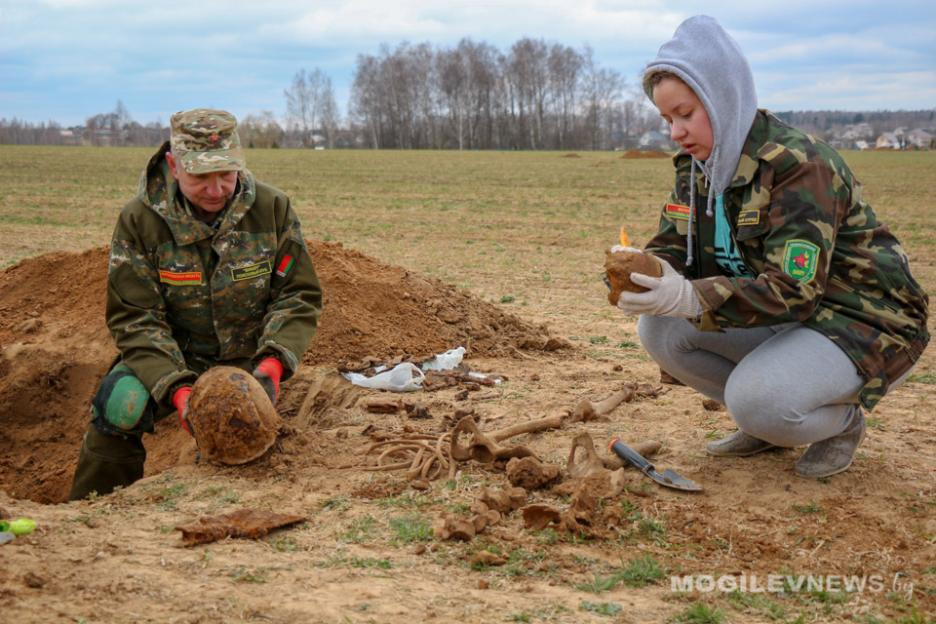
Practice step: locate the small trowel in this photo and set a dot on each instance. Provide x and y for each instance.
(668, 478)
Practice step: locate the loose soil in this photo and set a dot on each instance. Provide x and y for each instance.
(56, 347)
(366, 552)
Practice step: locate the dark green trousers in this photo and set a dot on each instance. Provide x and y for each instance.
(106, 462)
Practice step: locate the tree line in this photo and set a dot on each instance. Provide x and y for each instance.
(534, 95)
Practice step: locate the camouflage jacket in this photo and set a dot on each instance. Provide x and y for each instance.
(178, 288)
(815, 249)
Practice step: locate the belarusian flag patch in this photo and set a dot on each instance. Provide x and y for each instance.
(285, 265)
(677, 211)
(800, 259)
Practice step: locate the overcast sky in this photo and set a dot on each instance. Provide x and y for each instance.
(66, 60)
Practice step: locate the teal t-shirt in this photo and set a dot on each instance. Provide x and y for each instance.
(727, 255)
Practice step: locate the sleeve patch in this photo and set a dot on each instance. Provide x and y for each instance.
(677, 212)
(800, 259)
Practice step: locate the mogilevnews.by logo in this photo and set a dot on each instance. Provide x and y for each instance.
(790, 583)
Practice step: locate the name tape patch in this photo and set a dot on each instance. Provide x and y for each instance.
(252, 271)
(750, 216)
(181, 278)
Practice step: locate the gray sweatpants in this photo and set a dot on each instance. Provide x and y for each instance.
(786, 384)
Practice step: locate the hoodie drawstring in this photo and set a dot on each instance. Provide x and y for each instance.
(689, 249)
(709, 212)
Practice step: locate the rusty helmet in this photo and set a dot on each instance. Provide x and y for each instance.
(232, 418)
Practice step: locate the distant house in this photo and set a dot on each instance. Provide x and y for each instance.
(861, 144)
(888, 140)
(70, 137)
(920, 139)
(855, 132)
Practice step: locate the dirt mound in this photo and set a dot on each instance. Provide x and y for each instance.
(373, 309)
(56, 346)
(644, 154)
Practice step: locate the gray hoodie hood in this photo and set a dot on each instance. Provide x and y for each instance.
(707, 59)
(710, 61)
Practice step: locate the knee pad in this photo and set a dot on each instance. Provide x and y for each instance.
(122, 405)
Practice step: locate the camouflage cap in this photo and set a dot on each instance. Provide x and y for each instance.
(204, 140)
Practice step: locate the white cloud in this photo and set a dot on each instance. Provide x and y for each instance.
(139, 50)
(871, 90)
(419, 20)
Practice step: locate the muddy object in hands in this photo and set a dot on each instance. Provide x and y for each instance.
(232, 418)
(620, 265)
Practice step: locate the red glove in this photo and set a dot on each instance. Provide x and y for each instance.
(268, 373)
(180, 400)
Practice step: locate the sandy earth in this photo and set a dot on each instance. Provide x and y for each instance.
(365, 553)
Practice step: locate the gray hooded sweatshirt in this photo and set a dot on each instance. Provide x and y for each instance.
(711, 63)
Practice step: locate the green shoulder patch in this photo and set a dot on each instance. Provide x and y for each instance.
(800, 259)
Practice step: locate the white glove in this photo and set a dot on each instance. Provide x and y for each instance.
(669, 295)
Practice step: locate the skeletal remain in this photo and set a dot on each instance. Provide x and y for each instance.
(482, 447)
(454, 528)
(486, 557)
(539, 516)
(530, 426)
(503, 501)
(530, 473)
(583, 460)
(648, 448)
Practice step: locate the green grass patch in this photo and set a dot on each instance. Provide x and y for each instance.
(700, 613)
(359, 530)
(638, 572)
(167, 498)
(811, 507)
(609, 609)
(336, 503)
(284, 544)
(521, 562)
(405, 501)
(757, 603)
(243, 574)
(370, 563)
(411, 528)
(923, 378)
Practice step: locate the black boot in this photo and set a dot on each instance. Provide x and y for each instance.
(106, 462)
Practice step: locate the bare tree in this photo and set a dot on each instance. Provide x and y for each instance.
(565, 67)
(260, 130)
(601, 93)
(306, 100)
(366, 99)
